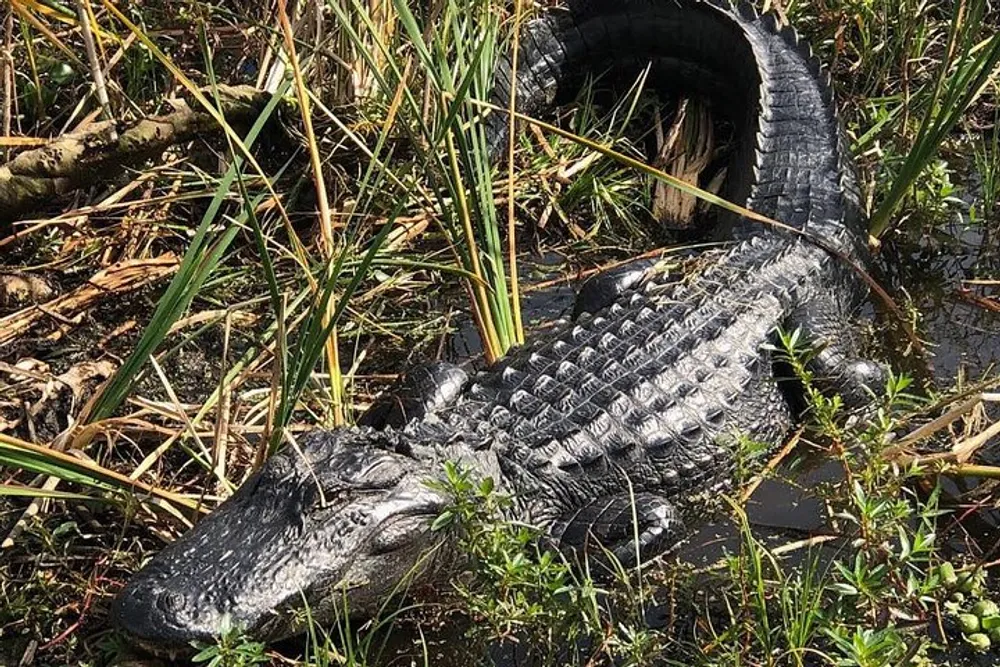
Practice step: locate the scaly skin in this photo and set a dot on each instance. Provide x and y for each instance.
(637, 403)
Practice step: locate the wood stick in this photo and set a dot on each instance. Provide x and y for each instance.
(105, 148)
(118, 278)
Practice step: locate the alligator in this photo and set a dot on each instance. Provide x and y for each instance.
(608, 433)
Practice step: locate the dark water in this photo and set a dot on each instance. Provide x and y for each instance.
(938, 272)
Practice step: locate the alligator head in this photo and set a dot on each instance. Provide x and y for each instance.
(340, 513)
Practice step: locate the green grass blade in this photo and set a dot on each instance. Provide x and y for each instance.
(959, 84)
(199, 261)
(18, 491)
(43, 460)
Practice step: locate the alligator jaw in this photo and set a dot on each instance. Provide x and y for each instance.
(339, 515)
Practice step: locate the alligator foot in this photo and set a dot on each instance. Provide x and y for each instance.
(837, 365)
(856, 380)
(606, 529)
(603, 289)
(422, 390)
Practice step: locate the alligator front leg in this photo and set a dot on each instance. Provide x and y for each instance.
(422, 390)
(611, 524)
(837, 365)
(603, 289)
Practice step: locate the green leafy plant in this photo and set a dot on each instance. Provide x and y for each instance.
(521, 590)
(232, 649)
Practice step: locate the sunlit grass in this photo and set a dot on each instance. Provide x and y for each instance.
(962, 76)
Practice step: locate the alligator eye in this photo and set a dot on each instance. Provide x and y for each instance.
(381, 473)
(170, 602)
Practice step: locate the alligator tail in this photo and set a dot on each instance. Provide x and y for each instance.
(791, 162)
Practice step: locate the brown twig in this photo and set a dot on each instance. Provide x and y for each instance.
(74, 160)
(984, 302)
(122, 277)
(771, 465)
(222, 413)
(960, 453)
(100, 88)
(973, 470)
(8, 71)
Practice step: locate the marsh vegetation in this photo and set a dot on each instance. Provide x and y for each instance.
(166, 329)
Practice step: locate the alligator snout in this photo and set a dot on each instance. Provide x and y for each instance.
(314, 522)
(155, 616)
